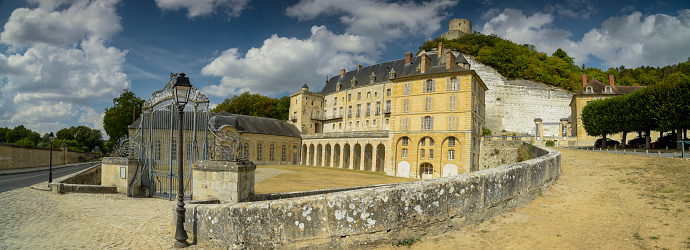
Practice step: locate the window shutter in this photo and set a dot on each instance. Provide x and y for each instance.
(424, 86)
(432, 123)
(447, 83)
(433, 85)
(422, 122)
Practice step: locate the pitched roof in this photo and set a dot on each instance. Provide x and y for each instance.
(381, 72)
(599, 88)
(243, 123)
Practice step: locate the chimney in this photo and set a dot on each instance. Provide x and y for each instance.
(611, 82)
(426, 63)
(584, 80)
(440, 50)
(408, 58)
(342, 72)
(359, 67)
(450, 60)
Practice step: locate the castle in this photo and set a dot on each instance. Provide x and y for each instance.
(418, 117)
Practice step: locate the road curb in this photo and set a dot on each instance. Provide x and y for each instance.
(31, 170)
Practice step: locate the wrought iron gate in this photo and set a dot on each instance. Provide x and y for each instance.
(154, 142)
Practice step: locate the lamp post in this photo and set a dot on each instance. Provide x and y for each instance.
(51, 137)
(181, 90)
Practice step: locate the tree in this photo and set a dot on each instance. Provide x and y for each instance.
(256, 105)
(119, 116)
(81, 138)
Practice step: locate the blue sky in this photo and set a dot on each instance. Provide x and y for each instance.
(63, 61)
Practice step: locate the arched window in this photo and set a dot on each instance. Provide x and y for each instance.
(607, 89)
(451, 141)
(405, 141)
(588, 90)
(426, 168)
(271, 153)
(283, 153)
(259, 148)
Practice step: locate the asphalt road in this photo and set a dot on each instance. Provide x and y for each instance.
(14, 181)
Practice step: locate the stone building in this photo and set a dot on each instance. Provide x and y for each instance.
(457, 27)
(418, 117)
(593, 90)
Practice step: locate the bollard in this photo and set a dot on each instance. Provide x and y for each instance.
(634, 151)
(658, 153)
(674, 154)
(647, 152)
(607, 150)
(623, 151)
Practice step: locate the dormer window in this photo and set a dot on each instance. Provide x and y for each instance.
(391, 74)
(353, 82)
(588, 90)
(337, 87)
(607, 89)
(372, 78)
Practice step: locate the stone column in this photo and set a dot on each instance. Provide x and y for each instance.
(539, 129)
(226, 181)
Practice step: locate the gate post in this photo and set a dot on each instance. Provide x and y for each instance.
(225, 181)
(120, 173)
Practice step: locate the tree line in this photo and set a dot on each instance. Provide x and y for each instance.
(256, 105)
(80, 138)
(522, 61)
(664, 106)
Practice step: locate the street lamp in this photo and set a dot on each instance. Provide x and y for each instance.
(181, 90)
(51, 137)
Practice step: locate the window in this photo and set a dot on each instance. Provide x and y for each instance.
(158, 150)
(367, 123)
(451, 122)
(340, 125)
(271, 153)
(376, 94)
(451, 102)
(588, 90)
(451, 142)
(422, 142)
(421, 154)
(607, 89)
(359, 95)
(259, 156)
(451, 154)
(387, 121)
(173, 150)
(359, 109)
(369, 94)
(427, 168)
(429, 86)
(388, 106)
(452, 83)
(378, 108)
(431, 141)
(405, 141)
(368, 109)
(357, 124)
(404, 153)
(431, 154)
(335, 101)
(406, 105)
(427, 123)
(349, 112)
(407, 88)
(283, 152)
(404, 124)
(349, 97)
(341, 111)
(374, 122)
(388, 92)
(428, 105)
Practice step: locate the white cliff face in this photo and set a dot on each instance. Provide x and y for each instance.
(512, 105)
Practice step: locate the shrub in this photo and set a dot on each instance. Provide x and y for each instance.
(525, 153)
(550, 143)
(486, 131)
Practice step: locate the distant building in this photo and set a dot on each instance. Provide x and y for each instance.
(418, 117)
(457, 27)
(594, 90)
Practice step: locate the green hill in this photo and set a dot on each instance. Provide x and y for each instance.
(522, 61)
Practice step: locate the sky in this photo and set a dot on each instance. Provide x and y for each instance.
(63, 61)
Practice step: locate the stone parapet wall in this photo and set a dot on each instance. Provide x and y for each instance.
(18, 157)
(376, 214)
(495, 153)
(226, 181)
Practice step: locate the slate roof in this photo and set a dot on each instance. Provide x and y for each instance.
(402, 70)
(243, 123)
(598, 88)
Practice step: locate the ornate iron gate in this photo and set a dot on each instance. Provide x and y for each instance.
(154, 142)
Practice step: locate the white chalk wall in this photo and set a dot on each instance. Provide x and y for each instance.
(512, 105)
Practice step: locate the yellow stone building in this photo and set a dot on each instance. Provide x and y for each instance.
(594, 90)
(418, 117)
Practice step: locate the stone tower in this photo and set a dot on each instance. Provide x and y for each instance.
(458, 27)
(306, 110)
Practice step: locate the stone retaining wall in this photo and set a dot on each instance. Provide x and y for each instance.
(495, 153)
(85, 181)
(375, 214)
(17, 157)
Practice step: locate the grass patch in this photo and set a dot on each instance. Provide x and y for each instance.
(636, 235)
(405, 242)
(314, 178)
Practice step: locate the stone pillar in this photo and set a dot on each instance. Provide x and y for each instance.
(564, 128)
(119, 172)
(539, 129)
(226, 181)
(352, 157)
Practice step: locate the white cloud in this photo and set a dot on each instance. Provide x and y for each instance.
(378, 20)
(46, 26)
(57, 79)
(631, 40)
(232, 8)
(284, 64)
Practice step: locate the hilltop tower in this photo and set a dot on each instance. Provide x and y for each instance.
(458, 27)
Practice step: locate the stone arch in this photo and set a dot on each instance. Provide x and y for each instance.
(426, 170)
(311, 155)
(327, 156)
(380, 157)
(346, 155)
(450, 170)
(304, 154)
(336, 156)
(319, 155)
(368, 157)
(403, 169)
(357, 159)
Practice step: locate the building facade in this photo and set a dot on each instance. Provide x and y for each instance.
(418, 117)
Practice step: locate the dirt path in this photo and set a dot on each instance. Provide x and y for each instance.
(601, 201)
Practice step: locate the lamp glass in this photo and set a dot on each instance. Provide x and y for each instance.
(51, 137)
